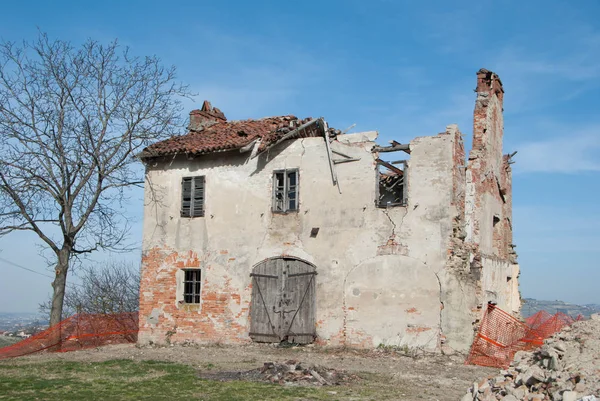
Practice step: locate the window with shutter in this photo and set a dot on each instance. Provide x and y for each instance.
(285, 191)
(192, 196)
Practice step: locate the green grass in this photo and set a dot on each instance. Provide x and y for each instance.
(148, 380)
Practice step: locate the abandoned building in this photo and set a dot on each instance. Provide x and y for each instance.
(286, 229)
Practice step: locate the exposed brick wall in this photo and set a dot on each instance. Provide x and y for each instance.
(457, 252)
(506, 183)
(223, 313)
(489, 170)
(490, 197)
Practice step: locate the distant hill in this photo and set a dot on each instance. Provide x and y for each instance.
(532, 306)
(17, 321)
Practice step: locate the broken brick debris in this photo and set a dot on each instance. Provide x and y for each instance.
(565, 368)
(289, 373)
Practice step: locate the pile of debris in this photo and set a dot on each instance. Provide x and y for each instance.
(565, 368)
(289, 373)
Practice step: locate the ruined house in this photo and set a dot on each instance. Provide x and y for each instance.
(286, 229)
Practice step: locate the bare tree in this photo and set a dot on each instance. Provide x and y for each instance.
(71, 120)
(112, 287)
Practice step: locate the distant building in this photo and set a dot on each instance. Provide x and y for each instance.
(285, 229)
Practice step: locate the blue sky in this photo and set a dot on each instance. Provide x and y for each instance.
(404, 68)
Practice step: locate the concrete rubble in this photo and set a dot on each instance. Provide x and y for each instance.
(565, 368)
(288, 373)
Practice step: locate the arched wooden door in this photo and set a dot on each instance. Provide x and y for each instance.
(283, 301)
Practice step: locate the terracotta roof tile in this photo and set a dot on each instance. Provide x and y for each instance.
(226, 135)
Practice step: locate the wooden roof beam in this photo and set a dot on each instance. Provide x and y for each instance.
(396, 147)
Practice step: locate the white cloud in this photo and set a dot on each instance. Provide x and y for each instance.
(574, 151)
(560, 69)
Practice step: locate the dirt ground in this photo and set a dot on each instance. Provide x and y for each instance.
(385, 372)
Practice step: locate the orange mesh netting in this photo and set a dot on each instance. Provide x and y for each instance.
(78, 332)
(554, 324)
(537, 319)
(501, 335)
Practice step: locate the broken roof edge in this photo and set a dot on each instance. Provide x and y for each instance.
(314, 127)
(145, 156)
(298, 132)
(450, 129)
(357, 137)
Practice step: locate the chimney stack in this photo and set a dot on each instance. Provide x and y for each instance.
(205, 117)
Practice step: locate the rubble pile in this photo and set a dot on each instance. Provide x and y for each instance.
(290, 373)
(565, 368)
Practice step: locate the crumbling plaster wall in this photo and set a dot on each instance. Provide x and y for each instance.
(380, 271)
(461, 306)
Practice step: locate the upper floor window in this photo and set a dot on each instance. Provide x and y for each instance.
(285, 191)
(392, 188)
(192, 196)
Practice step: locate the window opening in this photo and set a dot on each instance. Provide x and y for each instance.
(285, 191)
(391, 183)
(191, 286)
(192, 196)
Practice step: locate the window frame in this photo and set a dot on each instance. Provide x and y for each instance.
(287, 190)
(404, 168)
(196, 282)
(197, 185)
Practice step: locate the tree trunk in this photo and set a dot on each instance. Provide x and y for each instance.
(59, 284)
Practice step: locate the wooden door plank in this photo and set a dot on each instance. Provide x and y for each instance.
(283, 301)
(263, 322)
(300, 289)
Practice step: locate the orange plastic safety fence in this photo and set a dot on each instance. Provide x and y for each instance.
(501, 335)
(78, 332)
(554, 324)
(537, 319)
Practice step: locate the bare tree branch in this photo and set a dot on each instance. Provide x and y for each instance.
(113, 287)
(71, 120)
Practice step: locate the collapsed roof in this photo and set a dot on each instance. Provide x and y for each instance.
(209, 132)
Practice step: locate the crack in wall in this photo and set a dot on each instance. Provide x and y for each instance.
(387, 213)
(439, 281)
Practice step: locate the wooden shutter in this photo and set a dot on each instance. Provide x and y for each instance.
(292, 190)
(186, 196)
(198, 199)
(192, 196)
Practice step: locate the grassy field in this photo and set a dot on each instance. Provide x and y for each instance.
(150, 380)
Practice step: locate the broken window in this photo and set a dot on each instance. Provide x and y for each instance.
(391, 183)
(192, 196)
(191, 286)
(285, 191)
